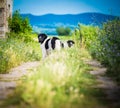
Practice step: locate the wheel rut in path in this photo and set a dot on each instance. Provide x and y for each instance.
(8, 82)
(108, 86)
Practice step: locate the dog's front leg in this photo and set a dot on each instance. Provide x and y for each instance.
(44, 53)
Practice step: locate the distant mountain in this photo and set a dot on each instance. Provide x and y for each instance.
(85, 18)
(48, 23)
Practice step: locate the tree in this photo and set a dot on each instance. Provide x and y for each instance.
(17, 24)
(26, 26)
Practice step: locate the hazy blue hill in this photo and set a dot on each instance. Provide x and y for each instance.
(85, 18)
(48, 23)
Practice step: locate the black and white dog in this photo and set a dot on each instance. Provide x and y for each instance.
(54, 43)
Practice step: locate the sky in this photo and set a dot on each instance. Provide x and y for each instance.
(41, 7)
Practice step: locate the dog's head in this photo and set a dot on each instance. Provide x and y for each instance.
(70, 43)
(42, 37)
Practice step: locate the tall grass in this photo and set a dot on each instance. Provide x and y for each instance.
(16, 50)
(60, 81)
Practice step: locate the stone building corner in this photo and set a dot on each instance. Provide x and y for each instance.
(5, 12)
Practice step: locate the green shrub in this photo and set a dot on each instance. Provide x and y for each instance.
(61, 31)
(110, 47)
(103, 44)
(26, 37)
(87, 35)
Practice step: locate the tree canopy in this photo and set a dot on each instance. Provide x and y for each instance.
(17, 24)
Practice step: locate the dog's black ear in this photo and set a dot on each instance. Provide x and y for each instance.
(42, 37)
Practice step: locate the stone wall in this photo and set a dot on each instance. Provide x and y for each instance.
(5, 12)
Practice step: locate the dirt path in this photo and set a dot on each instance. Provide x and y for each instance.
(8, 82)
(109, 87)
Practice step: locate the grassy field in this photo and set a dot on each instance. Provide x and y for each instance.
(62, 80)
